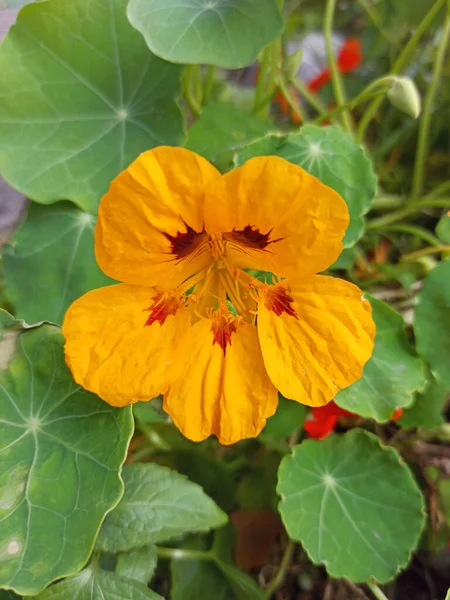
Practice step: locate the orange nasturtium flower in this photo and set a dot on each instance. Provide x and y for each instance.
(190, 322)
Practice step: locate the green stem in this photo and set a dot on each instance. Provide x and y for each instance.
(400, 214)
(208, 83)
(188, 95)
(425, 121)
(338, 88)
(387, 202)
(440, 189)
(399, 64)
(290, 99)
(362, 97)
(376, 591)
(260, 89)
(184, 554)
(425, 252)
(415, 230)
(277, 581)
(311, 98)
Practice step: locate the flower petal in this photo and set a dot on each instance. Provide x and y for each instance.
(276, 217)
(315, 338)
(119, 348)
(150, 223)
(227, 391)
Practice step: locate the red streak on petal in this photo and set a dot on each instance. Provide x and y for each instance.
(164, 304)
(250, 237)
(223, 326)
(183, 243)
(277, 299)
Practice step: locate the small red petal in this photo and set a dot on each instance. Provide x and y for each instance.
(319, 429)
(350, 55)
(397, 414)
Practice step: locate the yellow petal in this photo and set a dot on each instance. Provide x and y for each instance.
(315, 337)
(150, 223)
(121, 348)
(276, 217)
(226, 391)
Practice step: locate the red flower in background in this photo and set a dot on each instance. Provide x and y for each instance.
(324, 418)
(348, 57)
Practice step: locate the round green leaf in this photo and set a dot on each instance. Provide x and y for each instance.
(391, 376)
(158, 504)
(81, 98)
(332, 156)
(353, 504)
(61, 451)
(95, 584)
(221, 129)
(50, 262)
(426, 411)
(432, 322)
(227, 33)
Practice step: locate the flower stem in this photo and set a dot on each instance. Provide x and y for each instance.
(338, 87)
(398, 215)
(399, 64)
(376, 591)
(208, 83)
(277, 581)
(291, 100)
(415, 230)
(311, 98)
(425, 252)
(425, 121)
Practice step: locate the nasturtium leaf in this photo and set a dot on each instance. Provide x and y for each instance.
(61, 451)
(391, 376)
(243, 586)
(95, 584)
(432, 322)
(221, 130)
(50, 262)
(138, 564)
(332, 156)
(82, 97)
(426, 411)
(353, 504)
(158, 504)
(447, 597)
(289, 416)
(227, 33)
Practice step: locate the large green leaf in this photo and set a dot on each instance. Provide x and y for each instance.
(95, 584)
(81, 98)
(227, 33)
(432, 322)
(391, 376)
(353, 504)
(332, 156)
(221, 130)
(426, 411)
(50, 262)
(158, 504)
(138, 564)
(5, 594)
(61, 451)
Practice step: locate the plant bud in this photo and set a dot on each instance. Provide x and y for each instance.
(405, 96)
